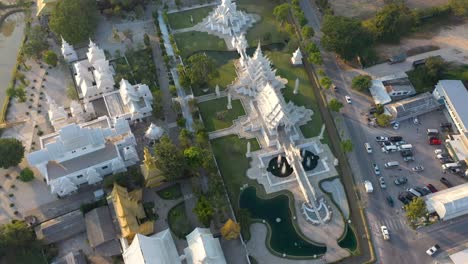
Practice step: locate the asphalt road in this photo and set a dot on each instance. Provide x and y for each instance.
(406, 245)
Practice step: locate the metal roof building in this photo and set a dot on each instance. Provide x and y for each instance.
(449, 203)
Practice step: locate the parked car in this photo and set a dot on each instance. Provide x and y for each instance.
(386, 235)
(399, 143)
(408, 159)
(348, 99)
(390, 201)
(438, 151)
(414, 192)
(376, 169)
(446, 160)
(382, 183)
(426, 190)
(396, 125)
(442, 155)
(368, 147)
(416, 121)
(435, 141)
(402, 197)
(386, 144)
(391, 164)
(406, 153)
(432, 188)
(417, 168)
(446, 126)
(395, 138)
(421, 191)
(400, 181)
(381, 139)
(433, 250)
(446, 182)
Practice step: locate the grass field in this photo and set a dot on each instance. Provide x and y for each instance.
(177, 219)
(230, 156)
(216, 116)
(182, 19)
(422, 82)
(305, 97)
(193, 41)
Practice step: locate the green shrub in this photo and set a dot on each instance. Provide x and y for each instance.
(26, 175)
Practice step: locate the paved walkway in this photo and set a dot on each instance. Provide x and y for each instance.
(339, 196)
(211, 96)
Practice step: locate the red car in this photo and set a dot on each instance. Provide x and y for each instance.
(435, 141)
(431, 188)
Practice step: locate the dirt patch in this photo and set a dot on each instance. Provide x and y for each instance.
(366, 8)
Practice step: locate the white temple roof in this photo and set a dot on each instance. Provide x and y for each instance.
(156, 249)
(95, 53)
(203, 248)
(63, 186)
(154, 132)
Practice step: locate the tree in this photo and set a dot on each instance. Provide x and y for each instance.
(383, 120)
(50, 58)
(281, 12)
(315, 58)
(200, 70)
(169, 159)
(185, 138)
(204, 211)
(435, 68)
(345, 36)
(74, 20)
(307, 32)
(15, 235)
(347, 145)
(36, 42)
(26, 175)
(335, 105)
(459, 7)
(197, 157)
(11, 151)
(391, 22)
(326, 82)
(361, 83)
(416, 209)
(146, 40)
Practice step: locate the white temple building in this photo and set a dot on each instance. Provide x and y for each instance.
(296, 58)
(160, 248)
(130, 102)
(154, 132)
(227, 21)
(58, 117)
(68, 52)
(94, 75)
(84, 154)
(156, 249)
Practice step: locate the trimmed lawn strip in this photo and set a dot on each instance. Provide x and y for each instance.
(193, 41)
(182, 19)
(305, 97)
(230, 152)
(172, 192)
(212, 111)
(227, 74)
(178, 221)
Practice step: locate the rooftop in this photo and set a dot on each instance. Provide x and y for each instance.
(412, 106)
(114, 104)
(449, 203)
(56, 170)
(457, 94)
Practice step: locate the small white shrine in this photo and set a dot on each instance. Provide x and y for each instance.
(154, 132)
(68, 52)
(58, 117)
(296, 58)
(226, 20)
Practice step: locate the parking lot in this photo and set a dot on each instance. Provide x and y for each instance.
(423, 154)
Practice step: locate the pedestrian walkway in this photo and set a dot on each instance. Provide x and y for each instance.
(393, 225)
(223, 132)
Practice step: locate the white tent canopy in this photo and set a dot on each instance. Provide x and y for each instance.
(154, 132)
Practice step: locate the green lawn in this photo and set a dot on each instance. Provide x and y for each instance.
(422, 83)
(172, 192)
(305, 97)
(216, 116)
(193, 41)
(227, 74)
(182, 19)
(177, 219)
(230, 156)
(266, 29)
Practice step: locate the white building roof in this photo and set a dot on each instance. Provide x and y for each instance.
(203, 248)
(379, 93)
(449, 203)
(156, 249)
(456, 93)
(460, 257)
(154, 132)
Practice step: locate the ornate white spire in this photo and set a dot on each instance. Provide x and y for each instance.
(296, 58)
(68, 52)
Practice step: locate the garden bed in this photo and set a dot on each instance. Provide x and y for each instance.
(216, 116)
(178, 221)
(172, 192)
(140, 69)
(192, 41)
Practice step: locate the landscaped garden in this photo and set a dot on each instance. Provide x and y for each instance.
(178, 223)
(140, 68)
(182, 19)
(172, 192)
(216, 116)
(192, 41)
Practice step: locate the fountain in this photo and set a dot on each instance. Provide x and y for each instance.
(309, 160)
(279, 167)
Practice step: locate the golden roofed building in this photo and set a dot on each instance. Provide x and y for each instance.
(230, 230)
(130, 213)
(151, 173)
(45, 7)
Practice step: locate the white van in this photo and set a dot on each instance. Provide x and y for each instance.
(391, 164)
(414, 192)
(368, 147)
(368, 186)
(432, 132)
(405, 147)
(452, 165)
(390, 148)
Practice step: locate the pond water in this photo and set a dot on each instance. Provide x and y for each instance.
(349, 240)
(11, 35)
(283, 236)
(279, 168)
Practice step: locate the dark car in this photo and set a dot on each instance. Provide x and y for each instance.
(446, 160)
(390, 201)
(422, 191)
(386, 143)
(403, 199)
(400, 181)
(395, 138)
(381, 139)
(406, 153)
(445, 182)
(432, 188)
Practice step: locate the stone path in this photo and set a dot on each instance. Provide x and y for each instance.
(211, 96)
(223, 132)
(339, 196)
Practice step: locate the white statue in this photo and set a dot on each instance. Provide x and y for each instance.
(308, 161)
(229, 105)
(191, 19)
(296, 88)
(283, 169)
(248, 147)
(217, 91)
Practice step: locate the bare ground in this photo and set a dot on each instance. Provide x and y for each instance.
(366, 8)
